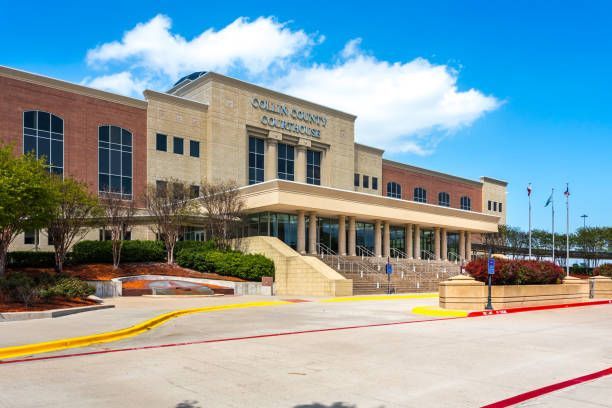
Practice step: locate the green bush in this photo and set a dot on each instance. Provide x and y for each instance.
(20, 287)
(604, 270)
(230, 263)
(68, 287)
(31, 259)
(132, 251)
(201, 245)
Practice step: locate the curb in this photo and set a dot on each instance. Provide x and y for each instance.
(47, 314)
(106, 337)
(428, 295)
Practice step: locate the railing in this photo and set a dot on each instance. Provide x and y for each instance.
(453, 256)
(425, 254)
(397, 253)
(363, 252)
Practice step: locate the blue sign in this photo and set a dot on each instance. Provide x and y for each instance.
(491, 266)
(389, 269)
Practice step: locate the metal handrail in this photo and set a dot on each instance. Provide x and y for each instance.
(454, 255)
(398, 253)
(430, 255)
(363, 251)
(324, 249)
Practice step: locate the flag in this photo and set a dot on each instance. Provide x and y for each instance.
(549, 200)
(529, 190)
(567, 193)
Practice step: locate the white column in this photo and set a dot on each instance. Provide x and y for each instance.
(377, 240)
(417, 242)
(409, 242)
(300, 164)
(444, 244)
(342, 235)
(271, 160)
(437, 243)
(301, 232)
(468, 246)
(312, 234)
(462, 245)
(352, 237)
(387, 239)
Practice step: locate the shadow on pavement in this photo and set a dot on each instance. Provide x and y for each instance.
(188, 404)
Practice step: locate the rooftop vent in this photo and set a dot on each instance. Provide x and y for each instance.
(191, 77)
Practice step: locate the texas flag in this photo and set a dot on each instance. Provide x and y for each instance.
(567, 193)
(529, 190)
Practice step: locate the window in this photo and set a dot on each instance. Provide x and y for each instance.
(356, 180)
(444, 199)
(494, 205)
(178, 145)
(374, 183)
(29, 237)
(420, 195)
(256, 160)
(194, 148)
(500, 207)
(466, 203)
(43, 135)
(286, 154)
(313, 167)
(366, 181)
(394, 190)
(115, 161)
(161, 187)
(194, 191)
(489, 205)
(161, 142)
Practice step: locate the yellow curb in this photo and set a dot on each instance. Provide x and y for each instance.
(380, 297)
(436, 311)
(107, 337)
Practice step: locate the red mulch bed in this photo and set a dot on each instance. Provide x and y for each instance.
(106, 272)
(55, 303)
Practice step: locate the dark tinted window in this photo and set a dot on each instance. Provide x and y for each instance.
(420, 195)
(194, 148)
(286, 163)
(178, 145)
(161, 142)
(394, 190)
(444, 199)
(374, 183)
(115, 161)
(366, 181)
(466, 203)
(256, 160)
(356, 180)
(313, 167)
(43, 136)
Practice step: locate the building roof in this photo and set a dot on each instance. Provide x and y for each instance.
(485, 179)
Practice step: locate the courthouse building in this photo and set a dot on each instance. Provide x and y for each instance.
(303, 177)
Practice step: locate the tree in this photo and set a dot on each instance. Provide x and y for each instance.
(224, 211)
(27, 197)
(118, 218)
(74, 210)
(169, 205)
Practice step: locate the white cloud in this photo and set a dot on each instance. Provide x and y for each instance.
(401, 106)
(122, 83)
(254, 46)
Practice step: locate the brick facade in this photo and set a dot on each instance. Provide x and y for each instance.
(82, 115)
(410, 179)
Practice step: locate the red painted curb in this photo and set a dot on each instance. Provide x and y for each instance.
(548, 389)
(534, 308)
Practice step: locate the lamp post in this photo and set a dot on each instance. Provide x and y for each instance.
(584, 217)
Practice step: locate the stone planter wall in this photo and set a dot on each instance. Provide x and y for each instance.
(601, 287)
(465, 293)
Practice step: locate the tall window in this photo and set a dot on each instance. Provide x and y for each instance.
(466, 203)
(356, 180)
(178, 145)
(444, 199)
(313, 167)
(161, 142)
(115, 161)
(43, 135)
(366, 181)
(256, 160)
(500, 207)
(420, 195)
(394, 190)
(374, 183)
(194, 148)
(286, 154)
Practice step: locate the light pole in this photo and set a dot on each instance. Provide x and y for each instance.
(584, 217)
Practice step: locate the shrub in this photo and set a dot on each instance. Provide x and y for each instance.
(68, 287)
(20, 287)
(604, 270)
(209, 245)
(133, 251)
(516, 272)
(229, 263)
(31, 259)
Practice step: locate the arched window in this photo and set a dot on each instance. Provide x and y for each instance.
(43, 135)
(444, 199)
(115, 161)
(466, 203)
(394, 190)
(420, 195)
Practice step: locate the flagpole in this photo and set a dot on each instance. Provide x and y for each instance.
(567, 229)
(553, 224)
(529, 195)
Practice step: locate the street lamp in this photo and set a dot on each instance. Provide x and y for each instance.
(584, 217)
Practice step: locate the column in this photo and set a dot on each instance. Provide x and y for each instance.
(312, 234)
(301, 232)
(461, 245)
(437, 243)
(300, 164)
(444, 244)
(352, 237)
(409, 242)
(377, 240)
(387, 239)
(342, 235)
(271, 160)
(468, 246)
(417, 242)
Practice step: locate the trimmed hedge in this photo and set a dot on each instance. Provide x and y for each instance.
(516, 272)
(132, 251)
(31, 259)
(604, 270)
(69, 288)
(230, 263)
(209, 245)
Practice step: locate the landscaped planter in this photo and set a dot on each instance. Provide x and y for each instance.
(601, 287)
(465, 293)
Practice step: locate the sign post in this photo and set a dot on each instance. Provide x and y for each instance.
(490, 273)
(389, 270)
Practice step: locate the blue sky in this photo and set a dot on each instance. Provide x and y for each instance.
(539, 110)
